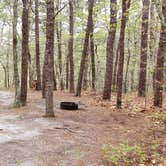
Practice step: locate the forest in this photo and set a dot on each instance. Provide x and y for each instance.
(83, 83)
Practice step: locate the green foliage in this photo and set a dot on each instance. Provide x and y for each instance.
(18, 162)
(124, 153)
(159, 116)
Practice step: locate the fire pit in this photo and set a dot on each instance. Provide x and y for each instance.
(69, 106)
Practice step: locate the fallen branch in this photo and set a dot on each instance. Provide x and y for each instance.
(64, 128)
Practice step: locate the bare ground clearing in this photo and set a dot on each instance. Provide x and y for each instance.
(73, 138)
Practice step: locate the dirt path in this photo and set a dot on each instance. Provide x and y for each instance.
(71, 139)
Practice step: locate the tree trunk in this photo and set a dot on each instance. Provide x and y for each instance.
(67, 72)
(134, 61)
(5, 74)
(38, 73)
(92, 55)
(144, 49)
(125, 11)
(110, 50)
(127, 65)
(158, 98)
(85, 48)
(7, 61)
(31, 71)
(25, 43)
(116, 67)
(152, 33)
(43, 78)
(15, 55)
(85, 75)
(49, 63)
(70, 45)
(55, 83)
(58, 34)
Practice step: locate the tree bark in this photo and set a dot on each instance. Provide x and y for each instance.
(116, 67)
(110, 50)
(49, 59)
(85, 48)
(25, 43)
(125, 12)
(85, 75)
(58, 34)
(38, 72)
(70, 45)
(127, 65)
(67, 72)
(158, 95)
(134, 61)
(92, 55)
(144, 49)
(15, 55)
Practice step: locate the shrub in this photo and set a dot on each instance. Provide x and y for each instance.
(123, 154)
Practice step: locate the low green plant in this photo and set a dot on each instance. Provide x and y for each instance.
(18, 162)
(124, 154)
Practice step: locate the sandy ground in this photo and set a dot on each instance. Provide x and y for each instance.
(72, 138)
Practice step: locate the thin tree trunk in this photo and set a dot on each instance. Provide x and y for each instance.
(5, 74)
(38, 72)
(144, 49)
(58, 34)
(70, 45)
(127, 65)
(5, 80)
(152, 35)
(15, 55)
(152, 44)
(25, 43)
(55, 83)
(158, 98)
(43, 78)
(125, 11)
(49, 63)
(67, 72)
(7, 61)
(92, 55)
(110, 50)
(134, 61)
(85, 48)
(116, 67)
(85, 76)
(30, 70)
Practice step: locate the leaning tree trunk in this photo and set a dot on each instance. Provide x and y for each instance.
(125, 10)
(25, 43)
(116, 67)
(49, 59)
(110, 50)
(15, 55)
(85, 48)
(70, 46)
(158, 98)
(38, 73)
(144, 49)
